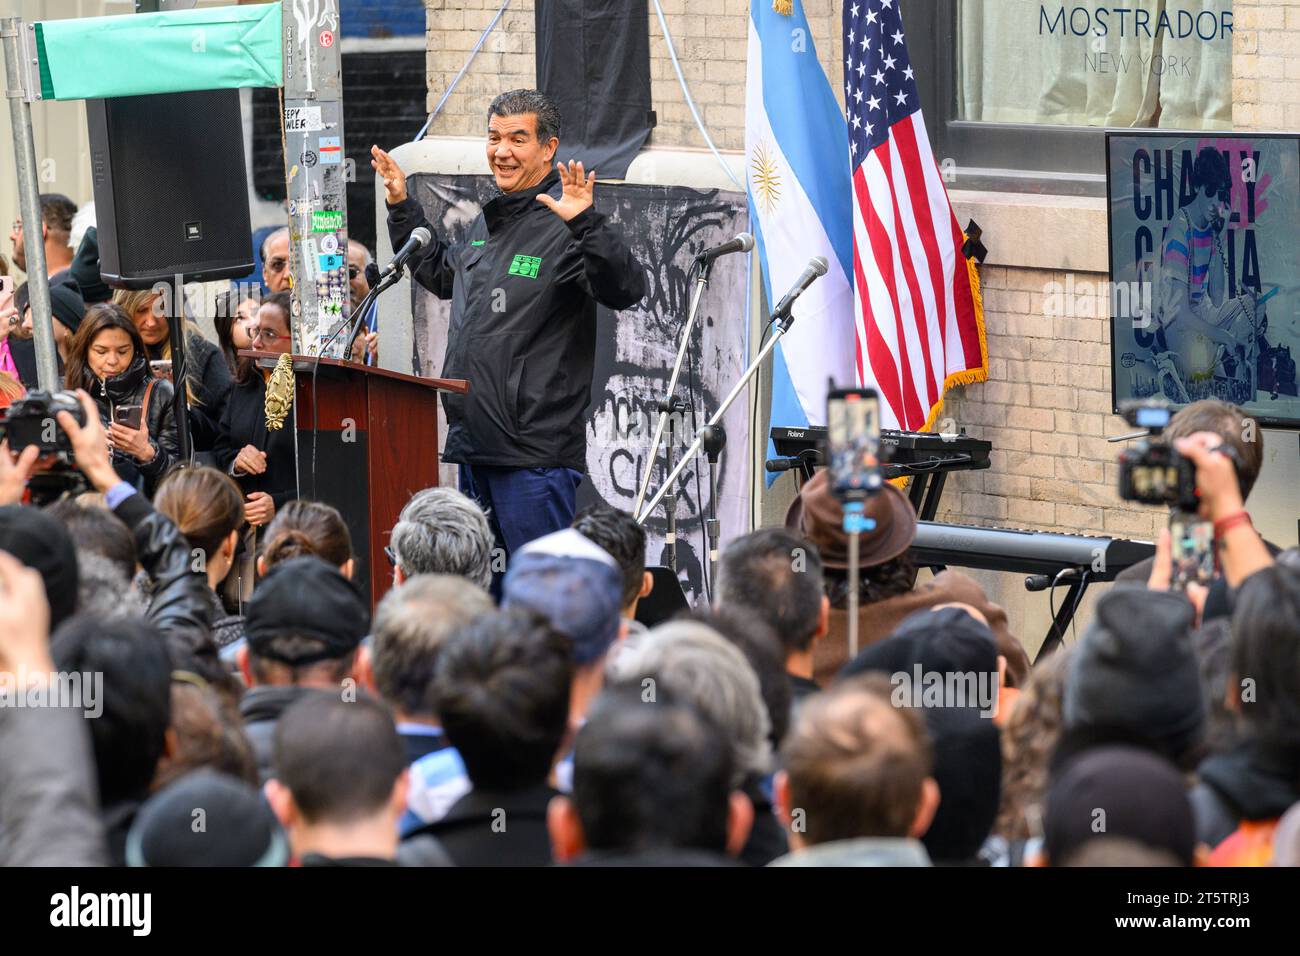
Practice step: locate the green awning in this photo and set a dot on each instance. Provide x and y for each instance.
(211, 48)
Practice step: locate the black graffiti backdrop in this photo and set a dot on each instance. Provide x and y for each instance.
(666, 226)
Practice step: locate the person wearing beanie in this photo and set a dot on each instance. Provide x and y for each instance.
(303, 627)
(236, 827)
(1134, 678)
(1116, 791)
(67, 308)
(577, 586)
(956, 658)
(888, 591)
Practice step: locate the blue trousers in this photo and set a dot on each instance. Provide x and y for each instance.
(522, 504)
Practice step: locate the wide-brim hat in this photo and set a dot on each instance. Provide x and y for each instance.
(818, 516)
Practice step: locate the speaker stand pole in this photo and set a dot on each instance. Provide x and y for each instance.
(180, 364)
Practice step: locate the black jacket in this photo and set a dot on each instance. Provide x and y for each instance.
(243, 422)
(260, 708)
(495, 828)
(523, 324)
(210, 382)
(1248, 782)
(129, 389)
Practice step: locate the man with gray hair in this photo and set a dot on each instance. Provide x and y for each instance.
(692, 664)
(275, 260)
(524, 283)
(441, 531)
(411, 624)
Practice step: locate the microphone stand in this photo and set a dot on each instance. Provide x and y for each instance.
(714, 439)
(385, 282)
(667, 407)
(781, 324)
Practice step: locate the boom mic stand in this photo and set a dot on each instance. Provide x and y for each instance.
(668, 405)
(781, 325)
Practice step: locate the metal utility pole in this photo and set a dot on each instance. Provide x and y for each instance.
(315, 173)
(21, 87)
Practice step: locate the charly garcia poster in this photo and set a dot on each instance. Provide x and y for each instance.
(1205, 269)
(665, 227)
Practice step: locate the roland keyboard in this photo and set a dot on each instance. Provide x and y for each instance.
(902, 453)
(1025, 552)
(1073, 560)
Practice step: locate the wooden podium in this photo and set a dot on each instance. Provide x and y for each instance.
(367, 440)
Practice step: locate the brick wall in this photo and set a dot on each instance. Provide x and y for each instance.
(1265, 64)
(709, 36)
(1046, 409)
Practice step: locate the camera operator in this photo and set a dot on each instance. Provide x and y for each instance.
(1214, 423)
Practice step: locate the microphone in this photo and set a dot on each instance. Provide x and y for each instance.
(817, 266)
(372, 275)
(420, 237)
(776, 465)
(742, 243)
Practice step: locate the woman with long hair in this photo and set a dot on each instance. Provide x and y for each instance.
(207, 377)
(236, 315)
(261, 459)
(209, 509)
(108, 359)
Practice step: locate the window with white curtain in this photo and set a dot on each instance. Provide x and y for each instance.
(1021, 83)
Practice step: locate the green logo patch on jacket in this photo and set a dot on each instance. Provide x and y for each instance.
(526, 266)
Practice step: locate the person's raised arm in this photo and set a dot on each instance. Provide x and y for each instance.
(181, 600)
(1241, 550)
(604, 265)
(434, 269)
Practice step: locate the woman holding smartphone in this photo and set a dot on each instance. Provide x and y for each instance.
(262, 460)
(108, 359)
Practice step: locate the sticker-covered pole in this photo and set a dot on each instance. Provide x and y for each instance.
(315, 173)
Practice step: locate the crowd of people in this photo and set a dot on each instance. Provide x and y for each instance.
(186, 636)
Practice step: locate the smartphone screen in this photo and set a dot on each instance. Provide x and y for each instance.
(853, 442)
(1193, 551)
(128, 415)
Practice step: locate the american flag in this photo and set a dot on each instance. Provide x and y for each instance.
(919, 325)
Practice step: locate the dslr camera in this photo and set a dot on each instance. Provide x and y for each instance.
(1150, 471)
(31, 420)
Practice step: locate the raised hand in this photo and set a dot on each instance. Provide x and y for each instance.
(578, 187)
(388, 170)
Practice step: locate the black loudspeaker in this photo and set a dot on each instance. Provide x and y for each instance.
(666, 599)
(171, 187)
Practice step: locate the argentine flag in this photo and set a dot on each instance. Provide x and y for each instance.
(800, 206)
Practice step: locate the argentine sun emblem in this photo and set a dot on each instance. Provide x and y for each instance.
(764, 178)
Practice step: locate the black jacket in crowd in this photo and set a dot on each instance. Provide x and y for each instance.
(243, 422)
(492, 828)
(523, 292)
(210, 382)
(129, 389)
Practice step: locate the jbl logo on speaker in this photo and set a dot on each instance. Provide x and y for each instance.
(192, 232)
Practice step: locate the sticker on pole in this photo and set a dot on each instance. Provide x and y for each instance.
(329, 243)
(331, 151)
(302, 119)
(326, 39)
(327, 220)
(329, 263)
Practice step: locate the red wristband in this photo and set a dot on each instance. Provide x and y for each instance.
(1224, 525)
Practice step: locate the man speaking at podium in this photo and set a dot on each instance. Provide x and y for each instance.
(524, 288)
